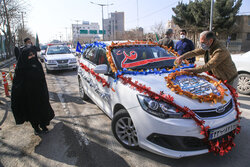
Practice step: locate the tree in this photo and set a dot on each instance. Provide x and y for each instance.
(225, 15)
(9, 18)
(159, 29)
(195, 16)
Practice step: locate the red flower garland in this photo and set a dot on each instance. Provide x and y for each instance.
(98, 78)
(217, 147)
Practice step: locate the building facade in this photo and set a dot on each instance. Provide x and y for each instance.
(114, 26)
(86, 32)
(240, 39)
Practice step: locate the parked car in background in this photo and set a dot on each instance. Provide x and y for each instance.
(59, 57)
(139, 119)
(242, 62)
(42, 52)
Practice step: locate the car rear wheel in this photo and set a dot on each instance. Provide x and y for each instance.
(124, 130)
(244, 84)
(83, 95)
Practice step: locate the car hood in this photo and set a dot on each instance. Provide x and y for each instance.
(60, 56)
(157, 83)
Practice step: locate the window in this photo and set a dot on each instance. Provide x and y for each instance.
(248, 36)
(248, 20)
(101, 57)
(91, 55)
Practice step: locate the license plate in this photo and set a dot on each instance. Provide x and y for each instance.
(215, 133)
(63, 65)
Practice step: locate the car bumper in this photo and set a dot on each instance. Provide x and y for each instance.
(60, 67)
(170, 137)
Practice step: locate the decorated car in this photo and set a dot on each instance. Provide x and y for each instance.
(156, 105)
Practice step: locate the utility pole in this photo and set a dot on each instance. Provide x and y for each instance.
(66, 39)
(102, 16)
(22, 20)
(211, 15)
(77, 29)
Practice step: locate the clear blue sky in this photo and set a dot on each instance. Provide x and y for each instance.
(50, 18)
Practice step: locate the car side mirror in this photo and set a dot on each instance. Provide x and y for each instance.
(101, 69)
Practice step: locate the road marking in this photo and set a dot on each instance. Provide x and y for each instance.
(80, 135)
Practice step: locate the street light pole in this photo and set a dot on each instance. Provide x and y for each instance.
(211, 15)
(102, 24)
(102, 5)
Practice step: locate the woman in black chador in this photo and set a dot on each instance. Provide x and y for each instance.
(29, 96)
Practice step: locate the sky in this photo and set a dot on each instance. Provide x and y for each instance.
(52, 19)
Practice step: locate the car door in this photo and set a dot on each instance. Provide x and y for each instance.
(103, 98)
(86, 76)
(92, 83)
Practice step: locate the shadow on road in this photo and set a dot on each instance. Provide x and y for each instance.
(68, 98)
(61, 144)
(69, 72)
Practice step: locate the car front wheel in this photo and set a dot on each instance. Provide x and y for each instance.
(124, 130)
(244, 84)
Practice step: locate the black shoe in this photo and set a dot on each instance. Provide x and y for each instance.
(45, 129)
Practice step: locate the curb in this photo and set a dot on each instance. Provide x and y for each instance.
(7, 61)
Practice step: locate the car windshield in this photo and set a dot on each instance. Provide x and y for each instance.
(58, 50)
(142, 57)
(43, 47)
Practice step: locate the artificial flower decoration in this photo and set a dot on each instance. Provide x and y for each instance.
(212, 97)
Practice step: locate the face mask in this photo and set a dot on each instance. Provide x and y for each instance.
(182, 36)
(29, 45)
(204, 46)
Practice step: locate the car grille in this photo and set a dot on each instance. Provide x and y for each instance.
(214, 112)
(178, 143)
(62, 61)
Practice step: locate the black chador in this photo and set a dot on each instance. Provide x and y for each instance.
(29, 96)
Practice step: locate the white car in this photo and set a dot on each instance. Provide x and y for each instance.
(145, 113)
(59, 57)
(242, 62)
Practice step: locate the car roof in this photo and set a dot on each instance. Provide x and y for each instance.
(110, 42)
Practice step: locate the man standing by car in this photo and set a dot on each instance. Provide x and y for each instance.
(28, 44)
(220, 62)
(167, 41)
(184, 45)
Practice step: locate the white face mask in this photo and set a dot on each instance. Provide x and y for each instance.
(182, 36)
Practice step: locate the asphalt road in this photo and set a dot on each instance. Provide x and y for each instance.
(80, 135)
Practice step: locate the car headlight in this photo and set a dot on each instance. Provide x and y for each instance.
(72, 60)
(51, 61)
(158, 108)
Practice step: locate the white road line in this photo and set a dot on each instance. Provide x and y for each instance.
(80, 135)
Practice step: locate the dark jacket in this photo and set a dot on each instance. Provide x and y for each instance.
(17, 52)
(184, 46)
(167, 42)
(220, 62)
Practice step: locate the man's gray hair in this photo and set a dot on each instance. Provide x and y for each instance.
(208, 35)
